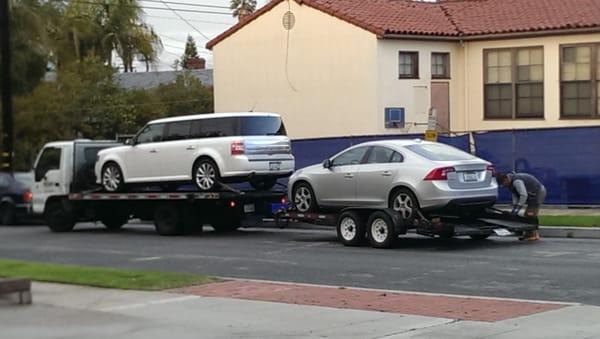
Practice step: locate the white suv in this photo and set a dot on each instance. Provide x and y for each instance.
(206, 149)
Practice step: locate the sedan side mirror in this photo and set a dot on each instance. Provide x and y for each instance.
(327, 163)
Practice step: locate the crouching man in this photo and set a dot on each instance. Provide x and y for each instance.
(528, 195)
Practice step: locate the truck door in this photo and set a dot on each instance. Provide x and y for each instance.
(48, 177)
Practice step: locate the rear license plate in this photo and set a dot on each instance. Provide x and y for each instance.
(249, 208)
(275, 165)
(471, 176)
(502, 232)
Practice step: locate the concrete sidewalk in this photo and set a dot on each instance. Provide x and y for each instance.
(82, 312)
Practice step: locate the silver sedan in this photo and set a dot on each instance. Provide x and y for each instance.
(405, 175)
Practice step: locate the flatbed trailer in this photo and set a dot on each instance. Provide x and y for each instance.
(173, 213)
(383, 226)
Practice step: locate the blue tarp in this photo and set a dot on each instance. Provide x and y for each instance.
(566, 160)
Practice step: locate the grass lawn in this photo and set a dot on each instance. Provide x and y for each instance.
(99, 277)
(570, 220)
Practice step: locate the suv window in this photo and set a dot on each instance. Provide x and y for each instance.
(351, 157)
(49, 160)
(178, 130)
(151, 133)
(380, 155)
(238, 126)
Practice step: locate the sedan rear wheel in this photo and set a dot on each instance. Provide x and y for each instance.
(405, 203)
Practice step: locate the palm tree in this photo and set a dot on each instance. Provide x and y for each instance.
(242, 8)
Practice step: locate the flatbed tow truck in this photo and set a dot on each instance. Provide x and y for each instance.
(383, 226)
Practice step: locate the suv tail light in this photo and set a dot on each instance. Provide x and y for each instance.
(492, 169)
(27, 196)
(439, 173)
(238, 148)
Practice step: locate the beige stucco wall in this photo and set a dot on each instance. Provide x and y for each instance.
(328, 86)
(415, 94)
(473, 120)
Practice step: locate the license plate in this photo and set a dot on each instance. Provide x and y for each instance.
(471, 176)
(274, 165)
(249, 208)
(502, 232)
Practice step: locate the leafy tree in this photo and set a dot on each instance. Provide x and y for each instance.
(242, 8)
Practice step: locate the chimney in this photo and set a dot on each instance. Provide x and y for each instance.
(195, 63)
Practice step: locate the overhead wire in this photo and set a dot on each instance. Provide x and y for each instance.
(187, 4)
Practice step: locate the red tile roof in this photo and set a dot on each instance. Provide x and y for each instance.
(450, 18)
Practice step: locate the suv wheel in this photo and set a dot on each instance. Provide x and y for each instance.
(112, 177)
(206, 175)
(304, 198)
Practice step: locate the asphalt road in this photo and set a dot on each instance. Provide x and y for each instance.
(552, 269)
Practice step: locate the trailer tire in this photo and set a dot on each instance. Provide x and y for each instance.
(479, 236)
(167, 220)
(351, 228)
(59, 217)
(381, 231)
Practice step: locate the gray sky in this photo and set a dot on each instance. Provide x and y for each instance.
(173, 31)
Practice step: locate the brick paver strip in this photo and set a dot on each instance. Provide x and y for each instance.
(451, 307)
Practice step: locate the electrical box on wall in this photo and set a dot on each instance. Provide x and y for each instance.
(394, 117)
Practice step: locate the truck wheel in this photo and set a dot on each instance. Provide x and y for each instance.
(112, 177)
(206, 174)
(351, 228)
(167, 220)
(381, 230)
(114, 222)
(263, 184)
(58, 217)
(7, 214)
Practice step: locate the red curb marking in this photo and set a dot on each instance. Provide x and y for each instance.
(463, 308)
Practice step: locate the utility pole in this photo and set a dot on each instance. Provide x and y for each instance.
(6, 154)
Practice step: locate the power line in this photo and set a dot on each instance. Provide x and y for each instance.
(148, 7)
(192, 20)
(186, 4)
(185, 20)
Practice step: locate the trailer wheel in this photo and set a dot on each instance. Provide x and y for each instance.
(58, 216)
(479, 236)
(351, 228)
(167, 220)
(381, 230)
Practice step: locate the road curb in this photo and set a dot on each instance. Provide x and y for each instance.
(570, 232)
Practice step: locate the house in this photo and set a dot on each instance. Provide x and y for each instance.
(146, 80)
(356, 67)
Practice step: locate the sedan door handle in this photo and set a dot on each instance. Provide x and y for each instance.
(190, 148)
(386, 174)
(153, 151)
(349, 176)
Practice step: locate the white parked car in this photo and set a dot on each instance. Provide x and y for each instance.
(206, 149)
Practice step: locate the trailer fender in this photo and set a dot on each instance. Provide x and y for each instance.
(399, 224)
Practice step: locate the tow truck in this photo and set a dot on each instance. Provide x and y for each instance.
(65, 193)
(382, 227)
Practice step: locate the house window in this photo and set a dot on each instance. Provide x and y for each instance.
(408, 64)
(440, 65)
(394, 117)
(514, 83)
(580, 81)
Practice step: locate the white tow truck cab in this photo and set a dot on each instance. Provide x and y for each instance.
(65, 193)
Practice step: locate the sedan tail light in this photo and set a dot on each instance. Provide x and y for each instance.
(492, 169)
(238, 148)
(27, 196)
(439, 173)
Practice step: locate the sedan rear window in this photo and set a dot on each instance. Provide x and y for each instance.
(439, 152)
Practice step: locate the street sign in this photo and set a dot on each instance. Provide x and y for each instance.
(431, 135)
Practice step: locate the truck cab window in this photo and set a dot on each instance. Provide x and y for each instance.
(49, 160)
